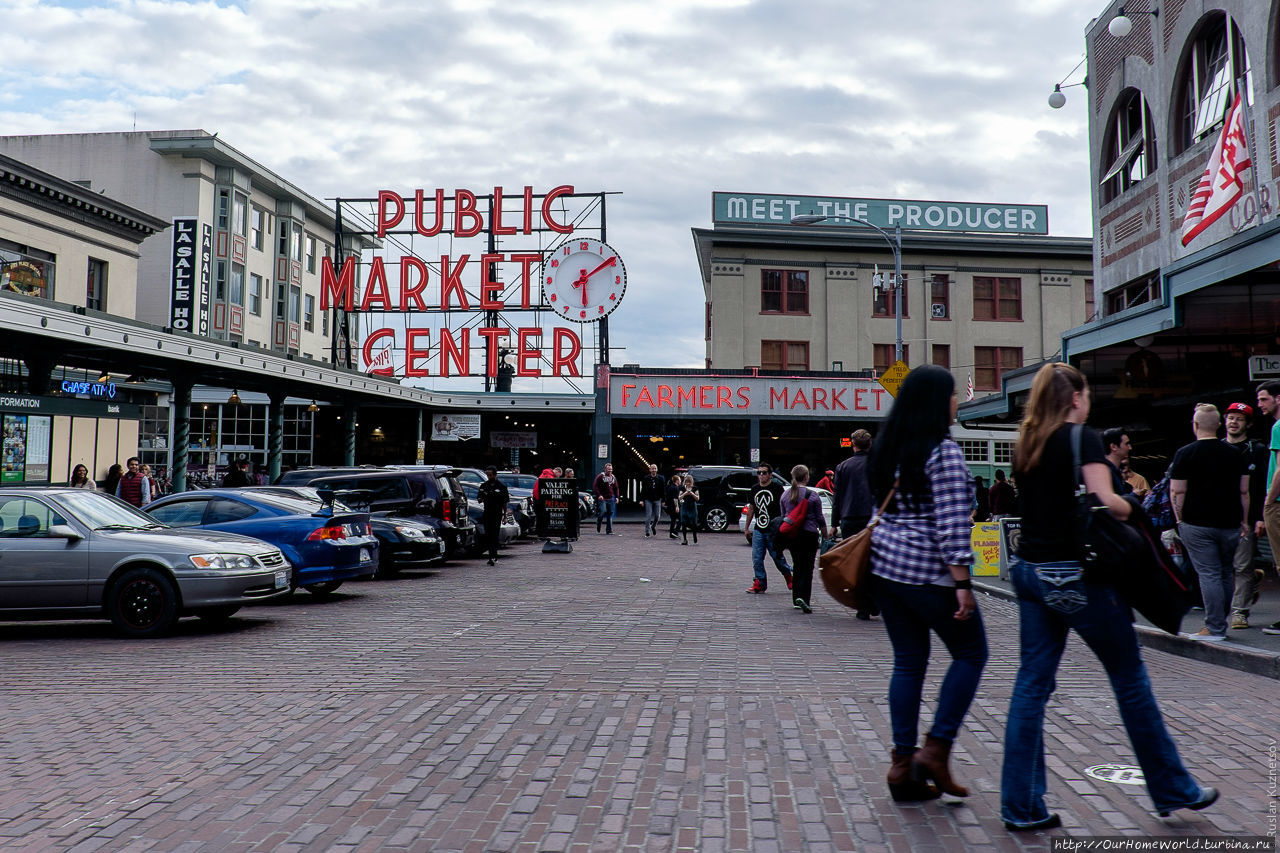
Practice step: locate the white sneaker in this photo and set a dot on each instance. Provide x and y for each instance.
(1204, 636)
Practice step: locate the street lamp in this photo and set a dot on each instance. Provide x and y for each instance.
(895, 243)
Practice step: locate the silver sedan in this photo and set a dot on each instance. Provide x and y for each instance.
(74, 554)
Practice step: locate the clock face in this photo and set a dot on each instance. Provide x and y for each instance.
(583, 280)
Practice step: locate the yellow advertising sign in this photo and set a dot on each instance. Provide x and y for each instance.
(985, 541)
(892, 377)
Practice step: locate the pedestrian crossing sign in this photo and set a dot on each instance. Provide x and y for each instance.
(891, 379)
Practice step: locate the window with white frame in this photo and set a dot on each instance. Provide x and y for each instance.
(1129, 146)
(1211, 74)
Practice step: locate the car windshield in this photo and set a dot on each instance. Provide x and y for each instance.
(100, 512)
(519, 481)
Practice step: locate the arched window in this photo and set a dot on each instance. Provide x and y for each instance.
(1129, 146)
(1212, 71)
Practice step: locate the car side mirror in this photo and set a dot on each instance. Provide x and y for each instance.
(64, 531)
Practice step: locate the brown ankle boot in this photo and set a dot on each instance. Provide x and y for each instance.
(905, 786)
(932, 759)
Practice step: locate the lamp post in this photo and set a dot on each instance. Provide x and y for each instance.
(895, 243)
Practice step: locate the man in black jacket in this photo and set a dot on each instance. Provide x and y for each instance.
(494, 497)
(651, 493)
(853, 504)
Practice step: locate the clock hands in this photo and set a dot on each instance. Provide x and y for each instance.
(583, 275)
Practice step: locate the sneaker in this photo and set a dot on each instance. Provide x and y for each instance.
(1204, 636)
(757, 586)
(1273, 628)
(646, 533)
(1238, 620)
(787, 576)
(803, 605)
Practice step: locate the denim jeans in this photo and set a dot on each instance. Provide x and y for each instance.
(1053, 599)
(1247, 579)
(910, 612)
(652, 513)
(606, 511)
(761, 541)
(1212, 551)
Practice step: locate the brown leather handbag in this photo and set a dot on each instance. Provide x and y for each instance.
(846, 568)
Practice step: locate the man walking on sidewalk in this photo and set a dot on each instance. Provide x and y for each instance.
(1248, 579)
(764, 514)
(605, 487)
(853, 504)
(1268, 392)
(1209, 489)
(651, 490)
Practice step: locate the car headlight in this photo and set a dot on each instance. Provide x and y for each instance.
(222, 561)
(410, 532)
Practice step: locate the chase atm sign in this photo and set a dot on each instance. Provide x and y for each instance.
(954, 216)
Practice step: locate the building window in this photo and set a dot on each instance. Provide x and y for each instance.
(324, 323)
(96, 287)
(295, 305)
(237, 214)
(220, 280)
(237, 284)
(884, 302)
(1208, 81)
(883, 356)
(1090, 303)
(991, 363)
(224, 209)
(283, 248)
(26, 270)
(942, 355)
(784, 292)
(1129, 146)
(1003, 452)
(256, 226)
(974, 449)
(940, 296)
(784, 355)
(1140, 292)
(309, 315)
(295, 242)
(311, 254)
(255, 294)
(997, 298)
(708, 323)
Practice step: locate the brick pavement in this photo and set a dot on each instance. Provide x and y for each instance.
(559, 703)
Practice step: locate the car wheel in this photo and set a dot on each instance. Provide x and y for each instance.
(322, 589)
(218, 614)
(717, 519)
(142, 603)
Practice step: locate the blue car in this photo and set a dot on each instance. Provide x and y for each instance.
(325, 547)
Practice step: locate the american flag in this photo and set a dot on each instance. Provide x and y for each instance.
(968, 394)
(1220, 185)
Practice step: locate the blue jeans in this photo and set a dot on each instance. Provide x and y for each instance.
(1053, 599)
(761, 541)
(1212, 551)
(652, 512)
(606, 511)
(910, 612)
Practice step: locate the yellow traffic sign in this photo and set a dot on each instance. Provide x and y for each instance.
(891, 379)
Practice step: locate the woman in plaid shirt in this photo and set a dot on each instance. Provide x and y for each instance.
(920, 558)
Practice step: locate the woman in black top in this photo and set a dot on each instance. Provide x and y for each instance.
(1054, 598)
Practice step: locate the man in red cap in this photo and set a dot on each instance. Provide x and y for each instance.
(1239, 418)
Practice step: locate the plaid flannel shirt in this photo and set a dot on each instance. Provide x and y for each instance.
(920, 535)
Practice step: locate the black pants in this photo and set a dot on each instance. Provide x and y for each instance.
(850, 525)
(492, 524)
(804, 550)
(673, 515)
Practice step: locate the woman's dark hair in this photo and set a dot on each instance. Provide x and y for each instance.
(918, 422)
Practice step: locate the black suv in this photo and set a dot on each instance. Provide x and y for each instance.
(427, 493)
(724, 492)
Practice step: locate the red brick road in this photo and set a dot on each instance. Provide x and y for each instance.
(560, 703)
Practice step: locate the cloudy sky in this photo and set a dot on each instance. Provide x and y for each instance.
(663, 101)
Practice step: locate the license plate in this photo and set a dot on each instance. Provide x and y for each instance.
(365, 555)
(282, 580)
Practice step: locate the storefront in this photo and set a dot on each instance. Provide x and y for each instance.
(45, 437)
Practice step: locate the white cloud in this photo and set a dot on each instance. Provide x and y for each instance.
(663, 100)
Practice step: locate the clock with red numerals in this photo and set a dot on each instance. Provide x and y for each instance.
(583, 280)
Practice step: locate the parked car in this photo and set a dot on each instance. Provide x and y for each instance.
(510, 528)
(827, 499)
(724, 491)
(402, 542)
(303, 476)
(325, 547)
(73, 554)
(519, 488)
(427, 493)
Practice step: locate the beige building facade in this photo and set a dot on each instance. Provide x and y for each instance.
(816, 298)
